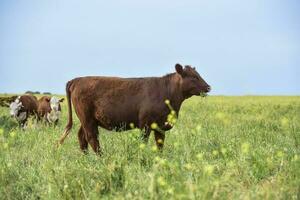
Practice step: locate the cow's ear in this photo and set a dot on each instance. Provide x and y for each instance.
(47, 99)
(62, 100)
(179, 69)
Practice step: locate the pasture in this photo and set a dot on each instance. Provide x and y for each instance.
(220, 148)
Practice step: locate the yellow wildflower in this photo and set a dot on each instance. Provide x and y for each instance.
(215, 152)
(200, 156)
(162, 162)
(188, 166)
(199, 127)
(142, 146)
(220, 115)
(12, 134)
(245, 148)
(154, 125)
(280, 154)
(5, 145)
(170, 190)
(161, 181)
(224, 151)
(131, 125)
(284, 122)
(154, 148)
(173, 121)
(157, 158)
(160, 141)
(209, 169)
(295, 158)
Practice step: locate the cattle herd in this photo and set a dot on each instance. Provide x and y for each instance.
(46, 109)
(117, 104)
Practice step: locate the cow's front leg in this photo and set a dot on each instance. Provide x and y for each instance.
(159, 139)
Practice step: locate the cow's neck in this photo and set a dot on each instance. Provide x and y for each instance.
(174, 91)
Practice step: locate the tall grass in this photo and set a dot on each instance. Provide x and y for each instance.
(220, 148)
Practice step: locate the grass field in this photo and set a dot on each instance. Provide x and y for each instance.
(220, 148)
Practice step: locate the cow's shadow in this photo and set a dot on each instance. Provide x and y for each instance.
(7, 123)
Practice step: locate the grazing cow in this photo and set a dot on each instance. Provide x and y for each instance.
(49, 109)
(23, 107)
(116, 103)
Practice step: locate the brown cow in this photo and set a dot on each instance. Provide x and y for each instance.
(23, 107)
(115, 103)
(49, 109)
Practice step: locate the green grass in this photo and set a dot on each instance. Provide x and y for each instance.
(220, 148)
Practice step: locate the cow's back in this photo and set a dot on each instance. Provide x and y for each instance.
(112, 101)
(109, 89)
(29, 103)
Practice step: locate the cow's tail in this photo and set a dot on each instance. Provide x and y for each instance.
(70, 120)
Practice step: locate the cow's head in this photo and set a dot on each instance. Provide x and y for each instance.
(54, 115)
(15, 107)
(192, 83)
(55, 103)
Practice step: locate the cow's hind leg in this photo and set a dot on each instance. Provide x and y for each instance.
(91, 132)
(82, 140)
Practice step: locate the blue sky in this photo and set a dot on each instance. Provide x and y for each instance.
(239, 47)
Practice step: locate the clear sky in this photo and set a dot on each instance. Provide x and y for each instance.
(238, 47)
